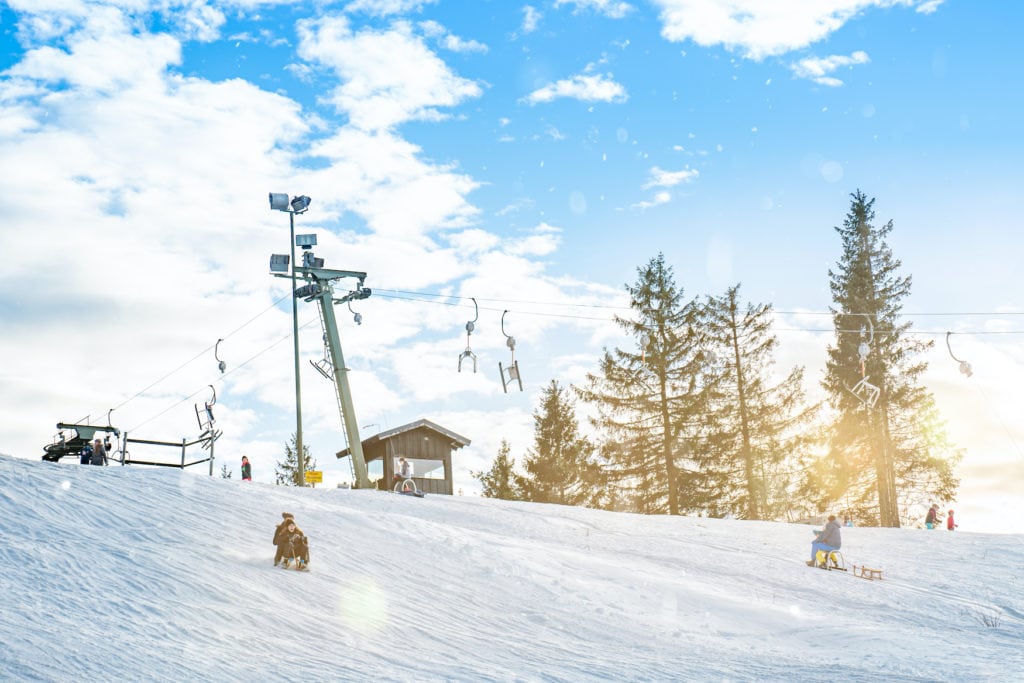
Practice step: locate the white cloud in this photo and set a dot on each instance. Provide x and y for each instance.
(760, 29)
(381, 177)
(198, 20)
(662, 178)
(588, 88)
(658, 199)
(818, 69)
(450, 41)
(929, 6)
(104, 63)
(457, 44)
(615, 9)
(531, 19)
(389, 77)
(383, 8)
(544, 240)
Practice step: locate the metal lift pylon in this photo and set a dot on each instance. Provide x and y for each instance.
(320, 289)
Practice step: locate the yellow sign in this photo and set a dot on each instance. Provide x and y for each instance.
(314, 477)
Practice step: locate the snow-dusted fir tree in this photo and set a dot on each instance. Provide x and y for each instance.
(560, 467)
(286, 472)
(499, 481)
(759, 424)
(225, 473)
(647, 399)
(887, 438)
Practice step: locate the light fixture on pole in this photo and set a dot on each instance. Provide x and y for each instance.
(300, 204)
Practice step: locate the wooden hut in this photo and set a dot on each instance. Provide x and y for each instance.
(427, 446)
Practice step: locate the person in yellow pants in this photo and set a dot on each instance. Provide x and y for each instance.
(828, 539)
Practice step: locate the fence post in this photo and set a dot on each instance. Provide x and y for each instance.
(124, 449)
(182, 453)
(212, 441)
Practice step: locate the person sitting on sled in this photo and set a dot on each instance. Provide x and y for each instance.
(828, 539)
(291, 542)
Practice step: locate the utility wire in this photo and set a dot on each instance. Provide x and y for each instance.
(237, 366)
(607, 319)
(193, 358)
(553, 303)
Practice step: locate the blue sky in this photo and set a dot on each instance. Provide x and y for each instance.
(531, 155)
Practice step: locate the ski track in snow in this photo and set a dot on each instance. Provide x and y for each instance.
(157, 575)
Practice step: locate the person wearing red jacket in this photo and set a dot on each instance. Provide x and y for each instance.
(950, 524)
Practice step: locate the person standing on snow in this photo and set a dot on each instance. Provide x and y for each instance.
(950, 524)
(828, 539)
(99, 452)
(404, 470)
(931, 520)
(246, 469)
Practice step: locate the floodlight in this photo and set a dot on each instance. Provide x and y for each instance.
(305, 241)
(309, 260)
(307, 290)
(279, 263)
(300, 203)
(278, 201)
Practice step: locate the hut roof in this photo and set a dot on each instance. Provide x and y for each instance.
(457, 440)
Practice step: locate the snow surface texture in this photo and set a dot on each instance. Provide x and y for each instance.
(135, 574)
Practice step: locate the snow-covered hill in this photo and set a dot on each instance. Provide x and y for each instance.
(158, 575)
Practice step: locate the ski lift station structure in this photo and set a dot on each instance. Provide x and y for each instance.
(426, 445)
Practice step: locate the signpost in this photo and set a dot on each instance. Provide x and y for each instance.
(314, 477)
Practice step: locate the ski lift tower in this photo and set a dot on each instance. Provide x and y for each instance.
(319, 287)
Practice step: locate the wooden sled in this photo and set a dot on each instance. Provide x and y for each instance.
(832, 561)
(867, 573)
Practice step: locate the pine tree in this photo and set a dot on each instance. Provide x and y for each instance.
(647, 401)
(286, 472)
(758, 427)
(560, 467)
(499, 481)
(886, 441)
(225, 473)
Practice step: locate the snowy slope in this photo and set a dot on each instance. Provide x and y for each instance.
(157, 575)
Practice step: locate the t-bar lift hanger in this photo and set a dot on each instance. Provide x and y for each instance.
(468, 353)
(513, 369)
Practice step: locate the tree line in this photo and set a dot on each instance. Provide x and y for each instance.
(693, 419)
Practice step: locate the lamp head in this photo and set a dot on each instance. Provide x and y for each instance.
(278, 201)
(279, 263)
(300, 203)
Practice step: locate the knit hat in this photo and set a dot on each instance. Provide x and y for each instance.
(287, 515)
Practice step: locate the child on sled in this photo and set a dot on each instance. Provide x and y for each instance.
(292, 544)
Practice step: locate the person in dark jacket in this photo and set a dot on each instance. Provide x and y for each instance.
(291, 543)
(931, 520)
(99, 452)
(280, 535)
(828, 539)
(246, 469)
